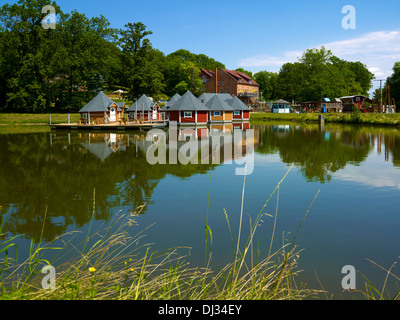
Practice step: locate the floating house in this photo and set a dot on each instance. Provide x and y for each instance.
(219, 109)
(205, 97)
(240, 110)
(281, 106)
(172, 101)
(101, 110)
(144, 109)
(188, 110)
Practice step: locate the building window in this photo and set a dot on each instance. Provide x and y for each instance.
(217, 113)
(220, 90)
(237, 113)
(218, 82)
(223, 82)
(188, 115)
(227, 90)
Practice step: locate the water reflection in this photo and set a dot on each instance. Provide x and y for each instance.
(321, 152)
(60, 172)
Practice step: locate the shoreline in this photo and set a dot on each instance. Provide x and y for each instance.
(376, 119)
(388, 120)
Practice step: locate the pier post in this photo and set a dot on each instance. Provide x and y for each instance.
(321, 119)
(50, 118)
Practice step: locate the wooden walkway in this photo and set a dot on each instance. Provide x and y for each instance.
(113, 126)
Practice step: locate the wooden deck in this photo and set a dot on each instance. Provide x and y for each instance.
(112, 126)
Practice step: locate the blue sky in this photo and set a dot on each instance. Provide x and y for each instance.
(261, 34)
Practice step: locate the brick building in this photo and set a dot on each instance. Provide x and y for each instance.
(232, 82)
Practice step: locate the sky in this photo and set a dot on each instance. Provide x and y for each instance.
(262, 34)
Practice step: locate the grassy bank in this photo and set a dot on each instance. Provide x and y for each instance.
(14, 119)
(356, 118)
(26, 119)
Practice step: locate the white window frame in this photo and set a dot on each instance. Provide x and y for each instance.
(217, 113)
(186, 114)
(236, 113)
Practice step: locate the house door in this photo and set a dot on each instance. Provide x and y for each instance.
(113, 115)
(154, 114)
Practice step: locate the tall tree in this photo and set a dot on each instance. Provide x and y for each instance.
(142, 63)
(268, 82)
(82, 61)
(394, 83)
(319, 74)
(26, 51)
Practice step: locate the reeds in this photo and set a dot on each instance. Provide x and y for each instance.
(114, 265)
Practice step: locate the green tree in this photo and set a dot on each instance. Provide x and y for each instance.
(291, 81)
(268, 82)
(26, 51)
(319, 74)
(142, 63)
(394, 83)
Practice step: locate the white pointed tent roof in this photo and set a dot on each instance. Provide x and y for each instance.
(238, 105)
(99, 103)
(188, 102)
(217, 103)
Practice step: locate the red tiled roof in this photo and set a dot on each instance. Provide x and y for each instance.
(240, 76)
(209, 73)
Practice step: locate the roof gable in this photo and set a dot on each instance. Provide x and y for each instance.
(99, 103)
(238, 105)
(240, 77)
(188, 102)
(143, 103)
(172, 100)
(205, 97)
(217, 103)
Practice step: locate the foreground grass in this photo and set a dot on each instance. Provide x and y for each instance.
(356, 118)
(112, 265)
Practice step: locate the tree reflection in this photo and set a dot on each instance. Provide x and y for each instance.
(321, 151)
(59, 174)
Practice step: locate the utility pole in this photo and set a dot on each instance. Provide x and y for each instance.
(380, 97)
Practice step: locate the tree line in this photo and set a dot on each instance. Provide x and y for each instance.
(61, 69)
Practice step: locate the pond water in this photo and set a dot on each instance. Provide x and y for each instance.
(355, 217)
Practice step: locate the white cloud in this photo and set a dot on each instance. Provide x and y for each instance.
(377, 50)
(271, 63)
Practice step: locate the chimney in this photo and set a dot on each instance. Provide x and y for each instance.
(216, 80)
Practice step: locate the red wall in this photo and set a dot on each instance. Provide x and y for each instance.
(201, 117)
(237, 117)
